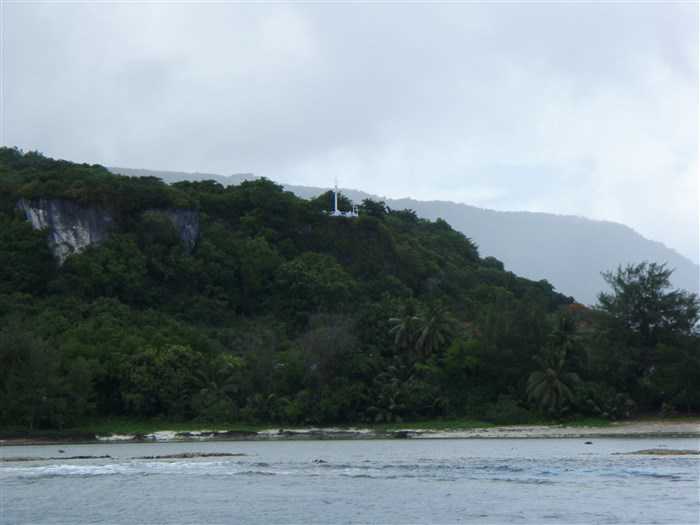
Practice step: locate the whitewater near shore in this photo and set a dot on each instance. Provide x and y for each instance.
(687, 428)
(623, 429)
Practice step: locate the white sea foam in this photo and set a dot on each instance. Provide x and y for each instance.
(162, 435)
(66, 470)
(274, 432)
(116, 437)
(131, 467)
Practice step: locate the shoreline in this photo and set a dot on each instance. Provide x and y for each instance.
(626, 429)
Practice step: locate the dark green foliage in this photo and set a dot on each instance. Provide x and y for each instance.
(38, 388)
(162, 381)
(551, 387)
(642, 302)
(325, 202)
(32, 175)
(507, 411)
(26, 264)
(376, 209)
(283, 314)
(600, 399)
(117, 268)
(650, 333)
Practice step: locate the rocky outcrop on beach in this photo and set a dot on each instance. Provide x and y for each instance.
(192, 455)
(661, 452)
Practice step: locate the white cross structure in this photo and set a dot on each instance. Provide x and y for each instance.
(335, 212)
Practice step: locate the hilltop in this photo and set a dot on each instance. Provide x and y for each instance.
(570, 252)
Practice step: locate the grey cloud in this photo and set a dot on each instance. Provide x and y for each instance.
(574, 108)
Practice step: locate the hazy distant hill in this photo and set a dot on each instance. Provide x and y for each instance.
(570, 252)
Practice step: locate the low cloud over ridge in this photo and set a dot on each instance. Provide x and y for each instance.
(582, 109)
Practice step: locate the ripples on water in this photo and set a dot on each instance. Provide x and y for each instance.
(436, 481)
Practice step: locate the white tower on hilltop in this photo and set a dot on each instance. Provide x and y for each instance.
(335, 212)
(335, 198)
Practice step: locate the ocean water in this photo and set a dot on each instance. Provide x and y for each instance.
(381, 481)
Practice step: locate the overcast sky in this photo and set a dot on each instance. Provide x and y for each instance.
(585, 109)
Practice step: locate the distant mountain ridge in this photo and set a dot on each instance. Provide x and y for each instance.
(569, 251)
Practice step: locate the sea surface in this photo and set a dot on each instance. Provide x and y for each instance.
(377, 481)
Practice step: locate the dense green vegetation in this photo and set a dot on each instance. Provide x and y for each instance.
(282, 314)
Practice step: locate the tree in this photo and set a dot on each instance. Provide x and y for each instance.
(116, 268)
(314, 282)
(564, 336)
(552, 387)
(325, 202)
(31, 392)
(405, 327)
(425, 332)
(677, 375)
(436, 330)
(26, 263)
(220, 381)
(642, 302)
(258, 262)
(374, 208)
(162, 381)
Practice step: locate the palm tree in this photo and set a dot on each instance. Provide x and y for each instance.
(218, 385)
(389, 394)
(552, 388)
(425, 332)
(436, 330)
(405, 327)
(564, 334)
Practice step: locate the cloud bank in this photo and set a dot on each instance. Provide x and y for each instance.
(587, 109)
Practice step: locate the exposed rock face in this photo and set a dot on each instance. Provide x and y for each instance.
(186, 224)
(71, 227)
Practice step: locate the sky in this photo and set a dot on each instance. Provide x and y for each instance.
(587, 109)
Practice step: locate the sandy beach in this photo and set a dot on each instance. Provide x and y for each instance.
(687, 428)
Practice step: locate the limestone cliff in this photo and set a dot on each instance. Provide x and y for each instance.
(72, 228)
(186, 224)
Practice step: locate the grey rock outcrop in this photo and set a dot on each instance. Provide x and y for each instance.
(186, 224)
(71, 227)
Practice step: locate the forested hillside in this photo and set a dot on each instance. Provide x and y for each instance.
(570, 252)
(280, 313)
